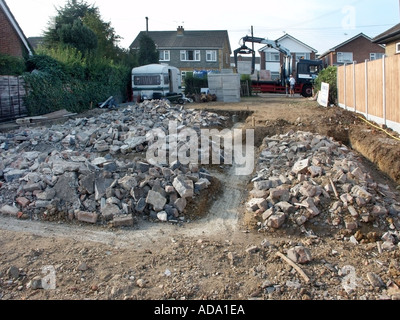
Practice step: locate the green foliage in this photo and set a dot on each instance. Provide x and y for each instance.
(80, 63)
(107, 40)
(328, 75)
(194, 84)
(245, 79)
(79, 36)
(72, 12)
(148, 53)
(11, 66)
(64, 79)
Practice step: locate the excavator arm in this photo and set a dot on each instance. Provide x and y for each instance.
(271, 44)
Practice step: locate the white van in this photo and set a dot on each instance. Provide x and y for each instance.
(156, 81)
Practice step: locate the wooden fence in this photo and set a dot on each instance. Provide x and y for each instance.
(372, 88)
(12, 93)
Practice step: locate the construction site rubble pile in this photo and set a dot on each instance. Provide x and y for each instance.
(94, 170)
(305, 180)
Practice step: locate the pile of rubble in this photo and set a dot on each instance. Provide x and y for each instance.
(304, 178)
(94, 169)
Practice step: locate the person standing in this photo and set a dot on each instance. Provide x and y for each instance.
(292, 83)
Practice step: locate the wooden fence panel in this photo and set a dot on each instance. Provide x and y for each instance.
(375, 88)
(392, 70)
(12, 93)
(360, 88)
(349, 86)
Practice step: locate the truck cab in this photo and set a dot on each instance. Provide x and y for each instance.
(307, 72)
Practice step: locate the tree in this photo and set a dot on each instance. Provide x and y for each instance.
(78, 36)
(148, 53)
(68, 27)
(106, 36)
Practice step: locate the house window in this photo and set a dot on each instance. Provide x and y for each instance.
(303, 55)
(211, 55)
(190, 55)
(345, 57)
(375, 56)
(272, 57)
(165, 55)
(398, 47)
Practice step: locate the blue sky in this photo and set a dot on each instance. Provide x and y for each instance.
(320, 24)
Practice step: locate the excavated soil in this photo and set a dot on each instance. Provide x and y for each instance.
(207, 259)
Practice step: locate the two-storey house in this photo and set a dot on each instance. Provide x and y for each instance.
(191, 51)
(357, 49)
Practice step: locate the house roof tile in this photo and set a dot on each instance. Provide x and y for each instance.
(190, 39)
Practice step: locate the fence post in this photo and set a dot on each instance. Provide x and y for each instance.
(366, 88)
(384, 88)
(354, 86)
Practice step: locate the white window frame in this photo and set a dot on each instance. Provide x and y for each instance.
(306, 55)
(211, 56)
(165, 55)
(269, 55)
(375, 56)
(398, 47)
(342, 55)
(196, 55)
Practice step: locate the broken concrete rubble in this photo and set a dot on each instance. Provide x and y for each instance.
(95, 170)
(309, 180)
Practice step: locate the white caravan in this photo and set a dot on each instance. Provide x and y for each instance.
(156, 81)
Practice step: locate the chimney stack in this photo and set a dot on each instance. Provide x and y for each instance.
(180, 31)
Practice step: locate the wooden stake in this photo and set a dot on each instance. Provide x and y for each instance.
(295, 266)
(334, 189)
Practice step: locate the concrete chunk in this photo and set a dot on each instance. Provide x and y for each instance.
(122, 221)
(276, 220)
(88, 217)
(157, 200)
(300, 255)
(361, 192)
(10, 210)
(301, 166)
(184, 187)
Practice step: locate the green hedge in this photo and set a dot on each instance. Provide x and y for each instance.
(63, 79)
(11, 66)
(328, 75)
(194, 84)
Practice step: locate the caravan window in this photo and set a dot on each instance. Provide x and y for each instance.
(147, 80)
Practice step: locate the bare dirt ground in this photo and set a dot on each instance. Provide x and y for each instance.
(207, 259)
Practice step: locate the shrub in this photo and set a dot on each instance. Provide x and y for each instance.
(328, 75)
(64, 79)
(11, 66)
(194, 84)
